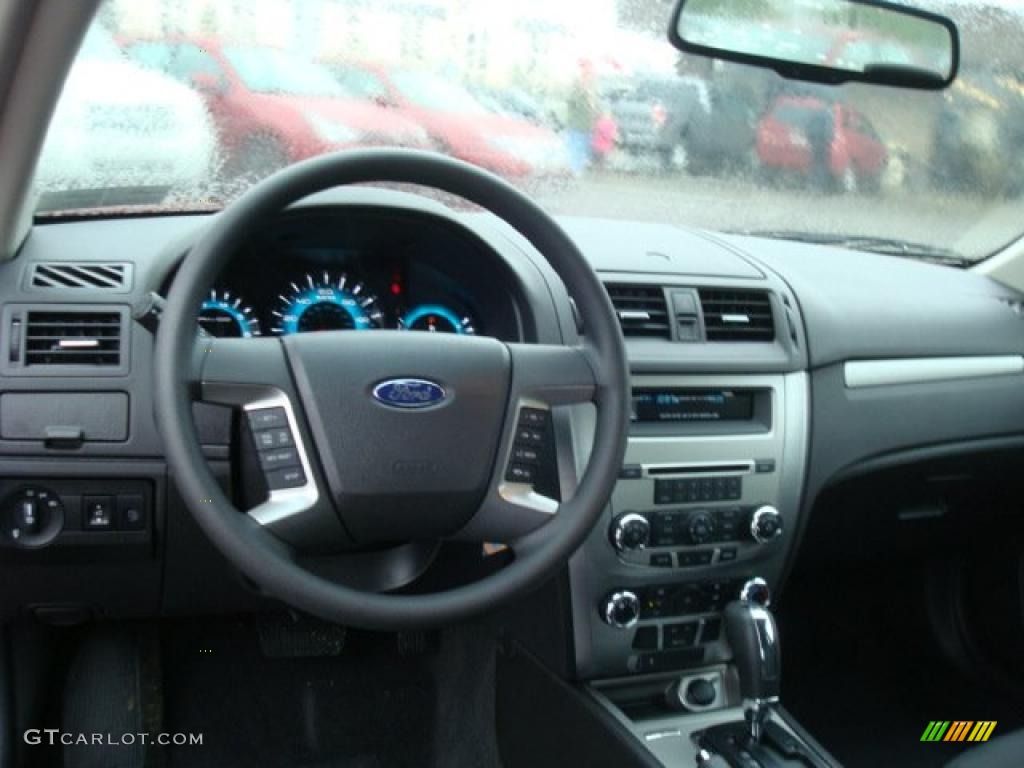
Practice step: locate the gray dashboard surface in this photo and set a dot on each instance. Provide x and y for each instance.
(860, 305)
(640, 247)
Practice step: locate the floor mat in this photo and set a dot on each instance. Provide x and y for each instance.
(366, 708)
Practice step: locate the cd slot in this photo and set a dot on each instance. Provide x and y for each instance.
(662, 470)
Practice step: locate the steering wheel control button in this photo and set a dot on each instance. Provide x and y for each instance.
(533, 417)
(765, 524)
(131, 512)
(527, 446)
(521, 473)
(268, 418)
(97, 513)
(529, 436)
(280, 458)
(621, 609)
(630, 532)
(289, 477)
(32, 517)
(274, 438)
(524, 453)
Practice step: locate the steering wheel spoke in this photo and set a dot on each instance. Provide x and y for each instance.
(252, 375)
(521, 495)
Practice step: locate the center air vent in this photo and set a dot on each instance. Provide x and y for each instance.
(641, 310)
(731, 315)
(69, 337)
(106, 276)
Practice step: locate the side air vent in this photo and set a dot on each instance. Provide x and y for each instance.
(67, 337)
(731, 315)
(106, 276)
(641, 310)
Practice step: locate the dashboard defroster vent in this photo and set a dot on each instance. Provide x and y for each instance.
(641, 309)
(65, 338)
(737, 315)
(105, 276)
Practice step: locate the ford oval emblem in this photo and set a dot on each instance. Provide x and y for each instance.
(409, 393)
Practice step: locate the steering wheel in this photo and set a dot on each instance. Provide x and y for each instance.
(394, 436)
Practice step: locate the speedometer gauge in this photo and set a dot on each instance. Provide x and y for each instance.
(225, 316)
(326, 304)
(437, 318)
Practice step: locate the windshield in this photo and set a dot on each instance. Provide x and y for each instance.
(582, 103)
(269, 70)
(433, 92)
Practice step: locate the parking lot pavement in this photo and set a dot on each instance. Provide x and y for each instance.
(741, 204)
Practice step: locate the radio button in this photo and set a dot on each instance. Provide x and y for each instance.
(701, 528)
(632, 472)
(661, 560)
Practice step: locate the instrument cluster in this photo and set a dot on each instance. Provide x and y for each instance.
(330, 300)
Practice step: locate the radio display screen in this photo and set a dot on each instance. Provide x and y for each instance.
(659, 405)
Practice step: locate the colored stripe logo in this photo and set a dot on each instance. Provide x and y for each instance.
(958, 730)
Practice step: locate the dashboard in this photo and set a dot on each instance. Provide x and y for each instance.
(763, 371)
(314, 273)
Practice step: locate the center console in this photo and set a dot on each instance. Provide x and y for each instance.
(705, 508)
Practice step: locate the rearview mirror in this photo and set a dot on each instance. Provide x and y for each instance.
(825, 41)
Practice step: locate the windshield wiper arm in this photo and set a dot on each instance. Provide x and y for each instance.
(885, 245)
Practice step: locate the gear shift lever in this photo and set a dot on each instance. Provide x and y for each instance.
(753, 636)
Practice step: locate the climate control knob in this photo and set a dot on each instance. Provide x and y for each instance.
(621, 609)
(765, 524)
(630, 532)
(701, 528)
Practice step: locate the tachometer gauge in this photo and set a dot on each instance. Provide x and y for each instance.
(327, 304)
(436, 318)
(225, 316)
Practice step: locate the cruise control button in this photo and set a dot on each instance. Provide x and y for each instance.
(532, 417)
(273, 438)
(520, 473)
(525, 453)
(529, 436)
(289, 477)
(267, 418)
(282, 457)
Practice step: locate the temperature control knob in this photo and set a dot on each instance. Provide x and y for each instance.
(621, 609)
(630, 532)
(765, 524)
